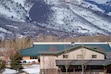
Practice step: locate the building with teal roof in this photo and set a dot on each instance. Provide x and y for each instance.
(85, 57)
(33, 52)
(104, 46)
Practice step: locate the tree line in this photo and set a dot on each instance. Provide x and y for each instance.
(9, 49)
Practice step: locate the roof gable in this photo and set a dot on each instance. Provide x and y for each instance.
(104, 46)
(70, 49)
(77, 47)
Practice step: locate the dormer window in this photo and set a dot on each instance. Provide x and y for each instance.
(94, 56)
(65, 56)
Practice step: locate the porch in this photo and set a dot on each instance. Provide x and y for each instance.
(87, 66)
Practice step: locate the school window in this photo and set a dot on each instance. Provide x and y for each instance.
(33, 57)
(65, 56)
(94, 56)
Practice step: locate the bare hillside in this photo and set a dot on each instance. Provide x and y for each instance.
(99, 38)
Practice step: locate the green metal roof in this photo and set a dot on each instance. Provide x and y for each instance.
(70, 49)
(76, 47)
(105, 47)
(36, 48)
(33, 51)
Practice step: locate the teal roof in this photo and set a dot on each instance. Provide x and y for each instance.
(59, 48)
(70, 49)
(33, 51)
(105, 47)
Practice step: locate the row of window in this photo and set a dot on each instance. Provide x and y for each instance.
(33, 57)
(66, 56)
(79, 56)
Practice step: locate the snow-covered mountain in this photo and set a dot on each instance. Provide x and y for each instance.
(74, 17)
(103, 6)
(15, 9)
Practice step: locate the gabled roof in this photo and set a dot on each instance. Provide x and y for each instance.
(33, 51)
(70, 49)
(101, 45)
(77, 47)
(58, 48)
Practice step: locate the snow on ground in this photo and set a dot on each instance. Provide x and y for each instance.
(31, 69)
(109, 13)
(12, 26)
(9, 71)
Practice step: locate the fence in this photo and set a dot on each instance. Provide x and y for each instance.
(55, 71)
(81, 73)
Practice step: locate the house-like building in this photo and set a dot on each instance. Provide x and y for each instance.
(31, 54)
(91, 58)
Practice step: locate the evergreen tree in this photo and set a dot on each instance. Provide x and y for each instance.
(39, 59)
(16, 62)
(2, 65)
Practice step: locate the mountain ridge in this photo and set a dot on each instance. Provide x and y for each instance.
(62, 18)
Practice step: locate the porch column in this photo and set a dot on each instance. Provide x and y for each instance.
(105, 70)
(89, 70)
(74, 69)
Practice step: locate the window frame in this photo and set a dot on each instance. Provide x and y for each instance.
(79, 56)
(65, 56)
(33, 57)
(94, 56)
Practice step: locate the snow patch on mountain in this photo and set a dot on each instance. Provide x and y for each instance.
(93, 18)
(91, 6)
(20, 2)
(100, 1)
(104, 5)
(4, 30)
(17, 10)
(74, 18)
(12, 26)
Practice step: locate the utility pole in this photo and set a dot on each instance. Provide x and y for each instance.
(82, 61)
(66, 65)
(43, 65)
(66, 58)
